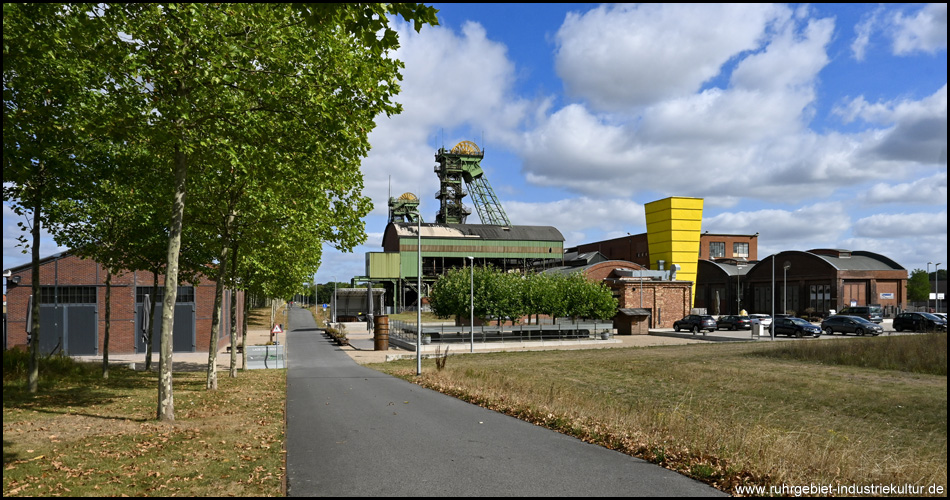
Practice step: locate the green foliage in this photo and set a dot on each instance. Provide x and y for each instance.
(56, 367)
(499, 295)
(450, 294)
(918, 287)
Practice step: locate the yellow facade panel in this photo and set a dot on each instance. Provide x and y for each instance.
(673, 228)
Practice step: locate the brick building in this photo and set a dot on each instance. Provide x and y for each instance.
(814, 283)
(72, 309)
(645, 298)
(635, 247)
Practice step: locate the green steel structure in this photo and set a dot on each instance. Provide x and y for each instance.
(450, 242)
(463, 163)
(404, 209)
(446, 246)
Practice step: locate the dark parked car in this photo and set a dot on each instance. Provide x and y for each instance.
(695, 323)
(870, 313)
(919, 322)
(850, 324)
(792, 326)
(734, 322)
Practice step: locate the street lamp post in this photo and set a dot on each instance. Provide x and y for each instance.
(936, 290)
(419, 293)
(785, 287)
(738, 291)
(772, 323)
(471, 325)
(928, 286)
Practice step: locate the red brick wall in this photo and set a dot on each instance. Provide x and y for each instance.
(69, 270)
(668, 301)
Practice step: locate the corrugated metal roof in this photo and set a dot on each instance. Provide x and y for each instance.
(861, 261)
(480, 231)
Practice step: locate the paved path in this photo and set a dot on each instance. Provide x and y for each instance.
(353, 431)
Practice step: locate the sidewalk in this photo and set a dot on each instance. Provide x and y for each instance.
(362, 345)
(188, 361)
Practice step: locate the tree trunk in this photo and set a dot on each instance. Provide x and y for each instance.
(105, 344)
(233, 366)
(166, 400)
(247, 310)
(149, 318)
(212, 382)
(33, 378)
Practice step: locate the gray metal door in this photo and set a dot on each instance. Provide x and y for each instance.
(82, 332)
(51, 329)
(183, 334)
(69, 328)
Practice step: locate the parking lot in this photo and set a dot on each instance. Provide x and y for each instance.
(746, 335)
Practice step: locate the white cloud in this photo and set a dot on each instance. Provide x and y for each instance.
(450, 80)
(902, 225)
(729, 141)
(579, 219)
(814, 226)
(634, 55)
(926, 31)
(917, 130)
(863, 31)
(926, 191)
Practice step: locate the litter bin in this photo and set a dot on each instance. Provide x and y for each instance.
(381, 337)
(756, 329)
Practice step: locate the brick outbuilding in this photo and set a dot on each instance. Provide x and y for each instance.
(645, 298)
(72, 309)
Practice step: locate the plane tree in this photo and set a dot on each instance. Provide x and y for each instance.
(195, 83)
(46, 129)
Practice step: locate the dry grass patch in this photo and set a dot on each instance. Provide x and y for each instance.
(726, 413)
(84, 436)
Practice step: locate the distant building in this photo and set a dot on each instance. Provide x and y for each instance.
(447, 246)
(72, 309)
(814, 283)
(645, 298)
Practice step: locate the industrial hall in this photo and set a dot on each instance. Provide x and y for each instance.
(72, 309)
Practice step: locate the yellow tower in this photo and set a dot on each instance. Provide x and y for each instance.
(673, 228)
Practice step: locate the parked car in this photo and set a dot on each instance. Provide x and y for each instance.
(850, 324)
(793, 326)
(919, 322)
(695, 323)
(764, 319)
(733, 322)
(870, 313)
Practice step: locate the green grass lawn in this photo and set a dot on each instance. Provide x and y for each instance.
(859, 412)
(81, 435)
(839, 412)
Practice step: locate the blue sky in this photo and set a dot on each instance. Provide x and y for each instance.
(815, 125)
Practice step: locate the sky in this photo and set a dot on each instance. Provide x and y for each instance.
(814, 125)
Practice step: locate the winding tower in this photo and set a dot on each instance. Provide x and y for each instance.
(463, 164)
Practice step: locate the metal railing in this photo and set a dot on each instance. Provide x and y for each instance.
(451, 334)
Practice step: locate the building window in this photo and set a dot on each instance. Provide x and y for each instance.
(717, 249)
(740, 249)
(68, 295)
(185, 294)
(819, 298)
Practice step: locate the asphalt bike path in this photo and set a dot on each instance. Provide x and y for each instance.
(353, 431)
